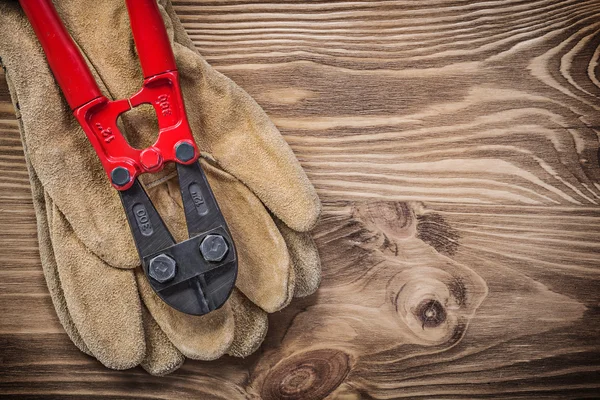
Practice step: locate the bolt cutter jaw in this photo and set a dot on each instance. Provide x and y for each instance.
(195, 276)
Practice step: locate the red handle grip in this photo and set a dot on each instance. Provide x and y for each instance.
(68, 66)
(150, 36)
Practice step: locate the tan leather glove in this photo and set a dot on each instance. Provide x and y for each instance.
(90, 263)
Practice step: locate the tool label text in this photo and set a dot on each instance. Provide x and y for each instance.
(164, 104)
(198, 199)
(142, 219)
(106, 133)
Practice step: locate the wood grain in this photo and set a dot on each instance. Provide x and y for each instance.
(455, 147)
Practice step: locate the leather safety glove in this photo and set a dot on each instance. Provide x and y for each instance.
(89, 260)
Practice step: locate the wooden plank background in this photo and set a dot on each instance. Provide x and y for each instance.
(455, 147)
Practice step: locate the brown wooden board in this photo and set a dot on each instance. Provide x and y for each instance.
(455, 147)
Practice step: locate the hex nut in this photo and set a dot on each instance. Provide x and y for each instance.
(184, 151)
(214, 248)
(120, 176)
(150, 158)
(162, 268)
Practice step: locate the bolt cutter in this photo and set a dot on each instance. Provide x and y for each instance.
(197, 275)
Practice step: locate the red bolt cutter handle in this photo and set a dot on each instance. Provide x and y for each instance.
(98, 115)
(151, 39)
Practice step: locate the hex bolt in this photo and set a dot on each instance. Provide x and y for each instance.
(120, 176)
(184, 151)
(150, 158)
(162, 268)
(214, 248)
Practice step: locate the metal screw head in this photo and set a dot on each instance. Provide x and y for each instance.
(214, 248)
(120, 176)
(184, 151)
(162, 268)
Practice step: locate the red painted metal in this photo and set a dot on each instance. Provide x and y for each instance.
(150, 37)
(96, 113)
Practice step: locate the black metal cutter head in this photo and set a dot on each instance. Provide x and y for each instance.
(195, 276)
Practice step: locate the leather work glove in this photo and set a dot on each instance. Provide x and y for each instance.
(89, 260)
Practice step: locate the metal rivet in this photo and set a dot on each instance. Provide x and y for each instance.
(214, 248)
(120, 176)
(162, 268)
(184, 151)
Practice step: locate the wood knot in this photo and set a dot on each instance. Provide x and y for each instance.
(434, 230)
(434, 302)
(385, 223)
(394, 219)
(310, 375)
(431, 313)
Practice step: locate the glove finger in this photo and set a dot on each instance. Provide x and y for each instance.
(231, 126)
(162, 357)
(251, 324)
(205, 337)
(265, 273)
(305, 259)
(102, 301)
